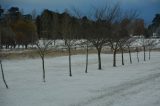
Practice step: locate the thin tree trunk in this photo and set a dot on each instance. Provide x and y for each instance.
(99, 59)
(122, 56)
(65, 42)
(149, 54)
(54, 42)
(114, 58)
(26, 46)
(144, 49)
(137, 54)
(70, 72)
(86, 70)
(32, 41)
(44, 80)
(3, 75)
(130, 57)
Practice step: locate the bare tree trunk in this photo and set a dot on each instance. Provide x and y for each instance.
(54, 42)
(130, 57)
(42, 57)
(32, 41)
(65, 42)
(86, 59)
(99, 59)
(26, 46)
(3, 75)
(42, 49)
(149, 54)
(137, 54)
(144, 49)
(70, 72)
(114, 58)
(122, 56)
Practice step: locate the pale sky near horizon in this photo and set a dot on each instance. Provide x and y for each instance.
(146, 8)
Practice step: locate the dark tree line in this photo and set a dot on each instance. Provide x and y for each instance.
(17, 29)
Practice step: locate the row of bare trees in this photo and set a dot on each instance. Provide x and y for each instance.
(106, 26)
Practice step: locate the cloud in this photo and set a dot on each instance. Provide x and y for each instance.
(140, 1)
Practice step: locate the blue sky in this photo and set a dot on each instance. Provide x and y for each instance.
(146, 8)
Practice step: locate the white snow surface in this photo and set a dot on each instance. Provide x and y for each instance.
(136, 84)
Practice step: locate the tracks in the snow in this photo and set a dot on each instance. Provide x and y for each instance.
(118, 90)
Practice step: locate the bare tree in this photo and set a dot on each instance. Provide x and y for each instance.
(84, 31)
(129, 44)
(113, 43)
(45, 32)
(144, 44)
(119, 34)
(98, 39)
(3, 76)
(132, 29)
(151, 43)
(137, 50)
(101, 28)
(124, 35)
(69, 33)
(122, 46)
(139, 30)
(117, 40)
(69, 43)
(84, 43)
(87, 44)
(43, 46)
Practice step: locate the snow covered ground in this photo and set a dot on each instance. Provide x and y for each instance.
(60, 44)
(136, 84)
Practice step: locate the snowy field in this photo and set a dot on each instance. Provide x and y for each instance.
(136, 84)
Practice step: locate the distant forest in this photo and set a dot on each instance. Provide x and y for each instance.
(108, 23)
